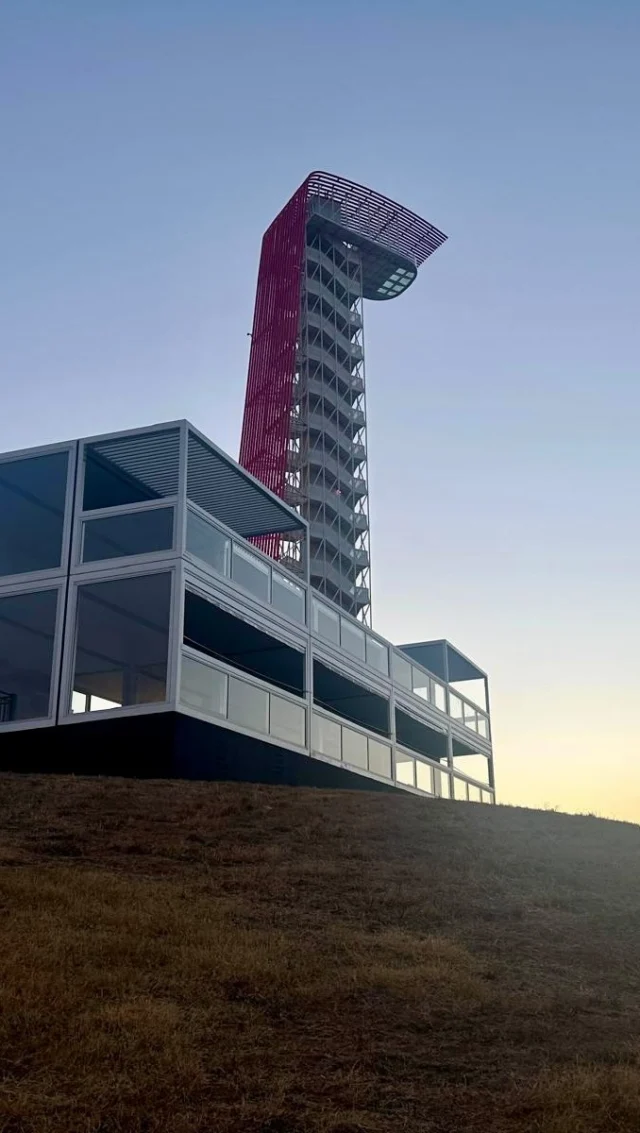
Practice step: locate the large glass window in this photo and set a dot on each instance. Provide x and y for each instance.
(122, 642)
(133, 533)
(250, 573)
(32, 499)
(27, 630)
(288, 597)
(206, 542)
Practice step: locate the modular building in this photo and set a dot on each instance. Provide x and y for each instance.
(145, 631)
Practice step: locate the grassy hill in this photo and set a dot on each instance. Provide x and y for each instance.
(190, 957)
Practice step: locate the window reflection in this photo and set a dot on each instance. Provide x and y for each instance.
(122, 642)
(27, 631)
(131, 533)
(32, 502)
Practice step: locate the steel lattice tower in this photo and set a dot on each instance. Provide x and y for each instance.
(304, 430)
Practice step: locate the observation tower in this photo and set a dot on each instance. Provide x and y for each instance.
(304, 434)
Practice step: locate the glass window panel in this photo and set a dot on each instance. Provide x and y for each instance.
(134, 533)
(402, 671)
(122, 640)
(352, 639)
(483, 727)
(79, 702)
(445, 783)
(405, 769)
(250, 573)
(203, 687)
(27, 630)
(439, 695)
(206, 542)
(87, 702)
(455, 706)
(379, 758)
(326, 622)
(470, 717)
(354, 748)
(326, 737)
(474, 690)
(248, 706)
(288, 597)
(475, 766)
(287, 721)
(420, 682)
(377, 655)
(424, 778)
(459, 789)
(32, 499)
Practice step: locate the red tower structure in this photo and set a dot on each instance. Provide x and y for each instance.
(334, 244)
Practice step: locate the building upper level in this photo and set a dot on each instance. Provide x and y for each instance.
(88, 627)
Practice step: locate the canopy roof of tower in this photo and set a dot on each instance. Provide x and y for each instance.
(392, 240)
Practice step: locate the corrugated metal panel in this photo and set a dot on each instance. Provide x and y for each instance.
(151, 458)
(222, 489)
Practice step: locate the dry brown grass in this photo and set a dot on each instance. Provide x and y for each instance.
(225, 958)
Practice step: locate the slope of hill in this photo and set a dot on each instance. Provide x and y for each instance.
(199, 957)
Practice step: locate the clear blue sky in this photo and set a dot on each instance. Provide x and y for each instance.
(146, 144)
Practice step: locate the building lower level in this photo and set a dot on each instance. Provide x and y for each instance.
(143, 632)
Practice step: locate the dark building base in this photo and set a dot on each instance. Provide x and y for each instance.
(168, 745)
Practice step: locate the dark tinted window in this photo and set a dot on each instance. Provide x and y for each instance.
(138, 533)
(32, 498)
(27, 628)
(122, 642)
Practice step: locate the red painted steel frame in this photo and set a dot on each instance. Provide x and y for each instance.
(265, 427)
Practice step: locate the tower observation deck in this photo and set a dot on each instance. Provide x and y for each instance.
(333, 245)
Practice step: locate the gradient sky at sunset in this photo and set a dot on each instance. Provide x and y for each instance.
(146, 144)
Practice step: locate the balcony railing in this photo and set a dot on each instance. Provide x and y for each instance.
(220, 693)
(216, 548)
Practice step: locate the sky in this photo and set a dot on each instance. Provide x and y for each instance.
(146, 145)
